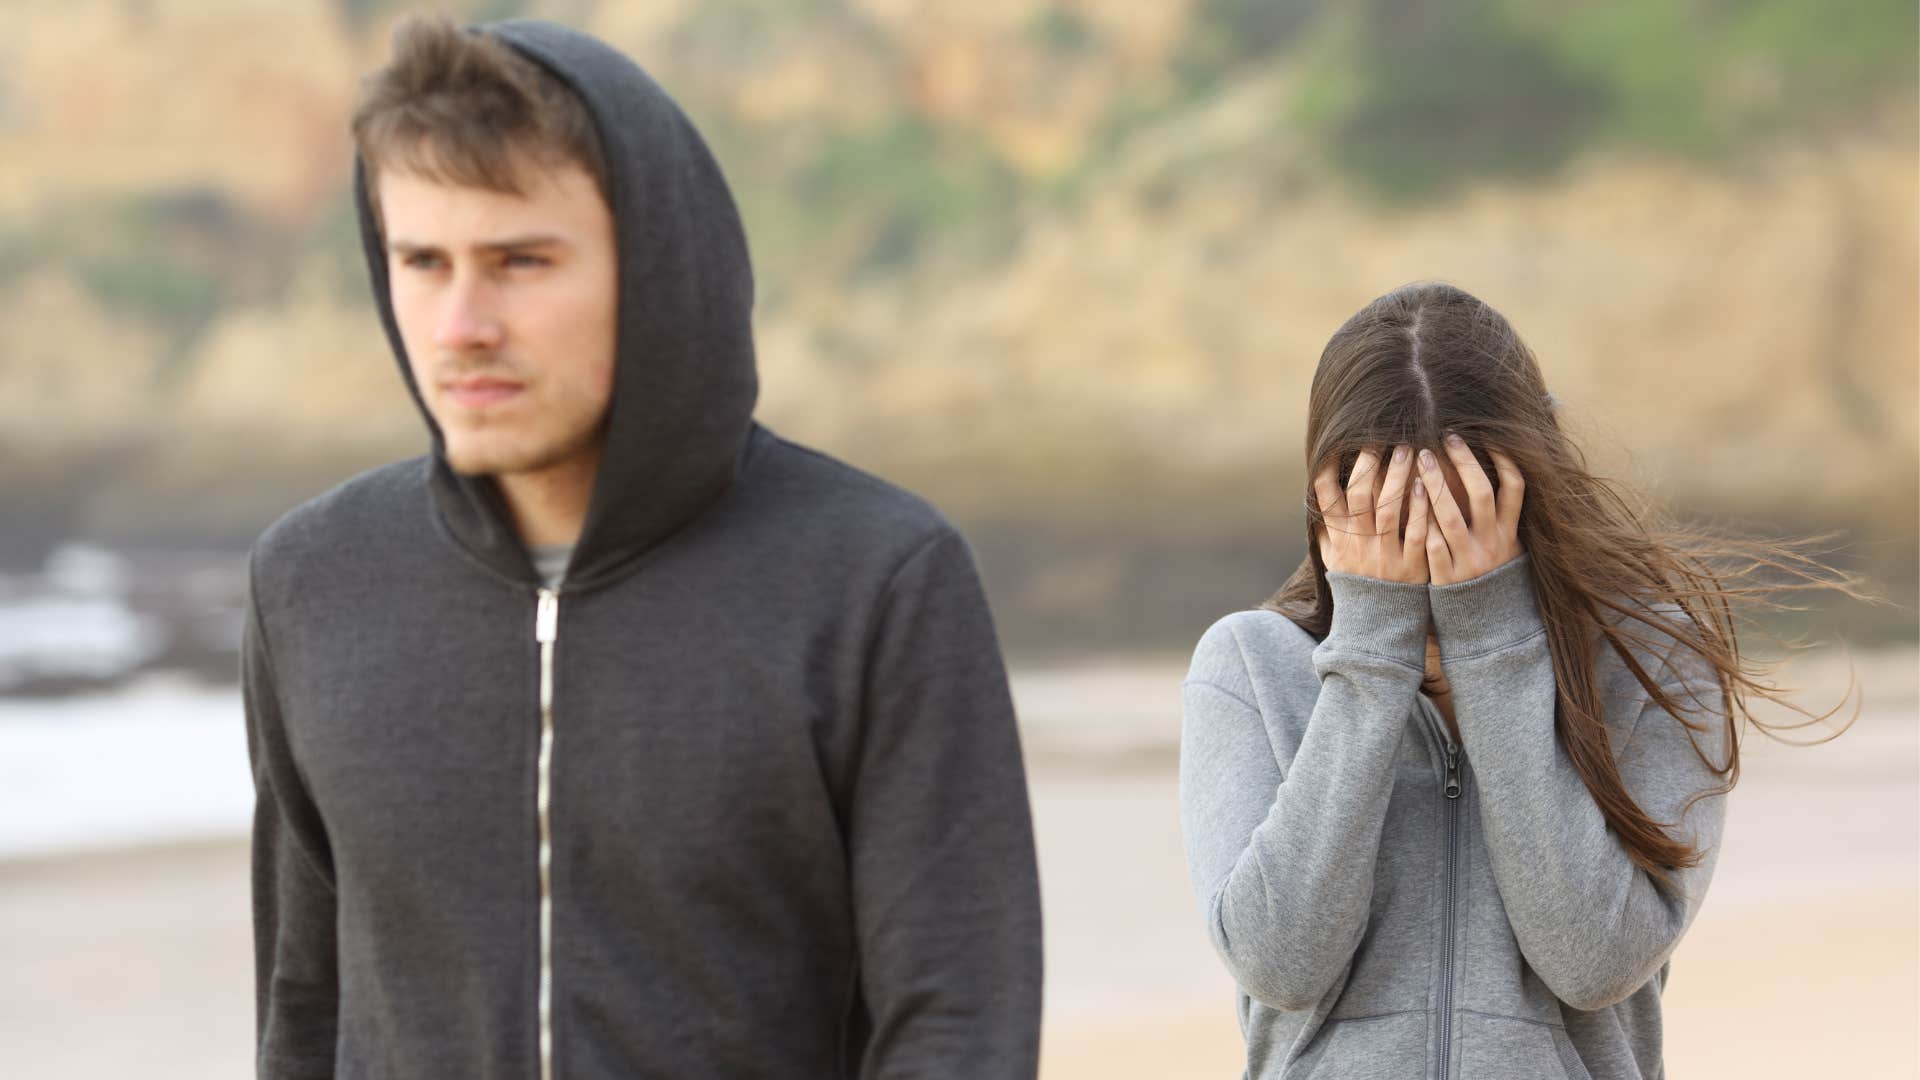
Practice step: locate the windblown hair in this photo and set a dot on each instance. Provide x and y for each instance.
(459, 106)
(1608, 570)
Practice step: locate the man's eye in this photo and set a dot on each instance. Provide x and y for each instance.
(526, 260)
(421, 261)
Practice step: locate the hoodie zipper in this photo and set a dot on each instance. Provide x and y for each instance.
(1450, 791)
(546, 629)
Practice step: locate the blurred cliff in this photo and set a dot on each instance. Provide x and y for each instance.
(1064, 267)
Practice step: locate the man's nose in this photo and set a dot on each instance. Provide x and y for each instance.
(467, 321)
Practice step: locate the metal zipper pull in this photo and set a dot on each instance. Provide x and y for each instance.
(1453, 771)
(546, 624)
(546, 628)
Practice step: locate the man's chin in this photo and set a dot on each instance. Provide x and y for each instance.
(469, 469)
(499, 457)
(499, 460)
(470, 461)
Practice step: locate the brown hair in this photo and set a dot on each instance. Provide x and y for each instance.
(460, 106)
(1429, 358)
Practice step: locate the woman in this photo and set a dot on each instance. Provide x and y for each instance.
(1452, 798)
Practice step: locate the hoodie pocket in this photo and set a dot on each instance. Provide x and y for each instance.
(1509, 1048)
(1390, 1047)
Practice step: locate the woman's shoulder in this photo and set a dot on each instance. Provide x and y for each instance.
(1655, 635)
(1651, 636)
(1249, 653)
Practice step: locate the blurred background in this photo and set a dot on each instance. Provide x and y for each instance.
(1064, 267)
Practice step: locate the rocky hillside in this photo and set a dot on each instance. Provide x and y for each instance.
(1068, 264)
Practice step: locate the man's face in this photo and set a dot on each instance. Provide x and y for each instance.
(507, 305)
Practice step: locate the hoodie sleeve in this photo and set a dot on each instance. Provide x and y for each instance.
(1281, 853)
(1591, 923)
(296, 985)
(945, 885)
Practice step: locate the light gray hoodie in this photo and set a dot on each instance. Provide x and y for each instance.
(1379, 927)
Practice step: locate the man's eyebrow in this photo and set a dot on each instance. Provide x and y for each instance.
(511, 243)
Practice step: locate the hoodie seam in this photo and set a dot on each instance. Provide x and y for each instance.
(1671, 681)
(1340, 650)
(1542, 632)
(1210, 685)
(260, 623)
(1519, 1019)
(1246, 668)
(280, 714)
(876, 621)
(893, 577)
(1376, 1016)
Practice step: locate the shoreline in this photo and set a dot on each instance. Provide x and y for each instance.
(136, 959)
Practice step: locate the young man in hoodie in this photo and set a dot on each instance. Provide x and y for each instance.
(616, 736)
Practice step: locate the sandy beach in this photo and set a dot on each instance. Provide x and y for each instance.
(1805, 960)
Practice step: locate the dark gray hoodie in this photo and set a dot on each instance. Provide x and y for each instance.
(743, 798)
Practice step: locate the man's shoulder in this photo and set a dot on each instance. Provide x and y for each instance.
(817, 491)
(350, 514)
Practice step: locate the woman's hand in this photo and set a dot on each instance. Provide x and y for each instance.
(1359, 531)
(1457, 551)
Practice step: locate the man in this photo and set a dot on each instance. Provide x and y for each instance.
(616, 737)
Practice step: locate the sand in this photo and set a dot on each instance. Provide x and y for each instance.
(1805, 960)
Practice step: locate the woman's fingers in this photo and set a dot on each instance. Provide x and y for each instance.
(1447, 532)
(1332, 506)
(1474, 479)
(1513, 489)
(1439, 555)
(1414, 548)
(1326, 491)
(1450, 524)
(1362, 483)
(1393, 489)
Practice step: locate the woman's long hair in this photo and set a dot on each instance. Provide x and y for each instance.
(1429, 358)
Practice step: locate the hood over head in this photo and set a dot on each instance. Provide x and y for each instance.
(684, 377)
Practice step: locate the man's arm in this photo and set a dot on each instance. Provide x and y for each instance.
(945, 887)
(296, 980)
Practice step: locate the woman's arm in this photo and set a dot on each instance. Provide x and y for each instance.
(1590, 922)
(1281, 853)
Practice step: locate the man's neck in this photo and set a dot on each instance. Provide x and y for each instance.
(550, 506)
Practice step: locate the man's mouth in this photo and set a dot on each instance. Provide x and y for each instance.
(480, 393)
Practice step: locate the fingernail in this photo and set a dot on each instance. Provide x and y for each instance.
(1426, 459)
(1399, 454)
(1454, 440)
(1419, 487)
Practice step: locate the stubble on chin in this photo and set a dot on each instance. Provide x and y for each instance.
(467, 459)
(477, 458)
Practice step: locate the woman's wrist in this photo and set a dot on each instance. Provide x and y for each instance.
(1486, 613)
(1379, 617)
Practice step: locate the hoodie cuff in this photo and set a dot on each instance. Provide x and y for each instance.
(1488, 613)
(1378, 618)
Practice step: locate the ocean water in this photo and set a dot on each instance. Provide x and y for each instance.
(162, 758)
